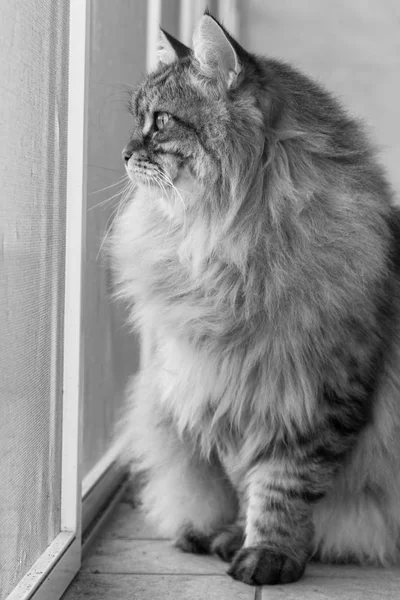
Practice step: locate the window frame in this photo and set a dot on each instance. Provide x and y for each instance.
(51, 574)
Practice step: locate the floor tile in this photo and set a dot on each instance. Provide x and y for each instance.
(130, 562)
(147, 556)
(328, 582)
(88, 586)
(129, 523)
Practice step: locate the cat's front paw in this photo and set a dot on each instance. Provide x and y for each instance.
(228, 542)
(225, 543)
(258, 565)
(191, 540)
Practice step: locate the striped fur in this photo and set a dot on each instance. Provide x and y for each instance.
(262, 250)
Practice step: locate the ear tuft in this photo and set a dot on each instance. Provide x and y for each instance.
(169, 49)
(214, 51)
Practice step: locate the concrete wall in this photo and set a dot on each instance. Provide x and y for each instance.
(352, 46)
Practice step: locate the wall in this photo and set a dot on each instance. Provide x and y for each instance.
(117, 61)
(351, 46)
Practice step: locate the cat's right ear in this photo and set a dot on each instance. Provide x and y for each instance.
(215, 51)
(169, 49)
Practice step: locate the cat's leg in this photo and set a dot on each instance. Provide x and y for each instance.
(283, 487)
(278, 525)
(187, 496)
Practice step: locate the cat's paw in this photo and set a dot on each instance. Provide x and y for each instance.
(258, 565)
(228, 542)
(193, 541)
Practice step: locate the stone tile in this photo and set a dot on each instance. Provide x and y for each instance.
(88, 586)
(328, 582)
(129, 561)
(147, 556)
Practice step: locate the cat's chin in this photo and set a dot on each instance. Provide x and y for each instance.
(147, 183)
(151, 189)
(160, 198)
(140, 180)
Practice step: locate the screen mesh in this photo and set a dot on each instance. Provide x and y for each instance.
(33, 136)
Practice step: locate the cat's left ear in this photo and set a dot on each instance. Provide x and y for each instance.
(214, 51)
(169, 49)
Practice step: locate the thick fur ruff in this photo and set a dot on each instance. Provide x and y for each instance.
(259, 253)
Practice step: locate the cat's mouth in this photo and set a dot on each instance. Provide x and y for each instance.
(145, 173)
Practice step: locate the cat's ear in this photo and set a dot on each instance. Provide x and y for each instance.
(214, 51)
(169, 49)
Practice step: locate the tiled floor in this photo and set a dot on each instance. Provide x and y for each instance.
(129, 562)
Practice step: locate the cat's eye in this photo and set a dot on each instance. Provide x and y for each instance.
(160, 120)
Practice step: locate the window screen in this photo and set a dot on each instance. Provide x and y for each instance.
(33, 137)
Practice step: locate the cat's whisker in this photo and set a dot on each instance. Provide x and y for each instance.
(168, 180)
(160, 183)
(114, 215)
(177, 194)
(107, 200)
(124, 178)
(129, 87)
(163, 188)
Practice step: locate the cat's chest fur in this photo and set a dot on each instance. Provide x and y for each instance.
(200, 379)
(212, 367)
(161, 270)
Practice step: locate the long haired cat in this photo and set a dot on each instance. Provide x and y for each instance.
(261, 254)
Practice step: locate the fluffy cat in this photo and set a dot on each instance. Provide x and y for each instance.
(260, 254)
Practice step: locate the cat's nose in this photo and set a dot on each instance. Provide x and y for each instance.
(126, 154)
(134, 146)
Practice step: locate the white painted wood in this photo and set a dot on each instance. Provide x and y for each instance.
(103, 516)
(186, 22)
(75, 260)
(65, 545)
(101, 483)
(92, 478)
(153, 27)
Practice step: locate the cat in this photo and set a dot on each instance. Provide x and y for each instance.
(260, 256)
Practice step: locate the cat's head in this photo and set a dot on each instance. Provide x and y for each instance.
(198, 122)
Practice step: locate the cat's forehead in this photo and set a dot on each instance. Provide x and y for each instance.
(168, 89)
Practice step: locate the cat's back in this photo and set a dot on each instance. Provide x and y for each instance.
(395, 230)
